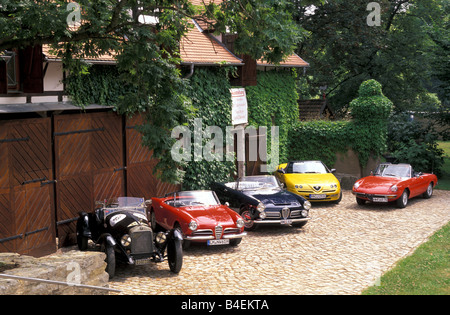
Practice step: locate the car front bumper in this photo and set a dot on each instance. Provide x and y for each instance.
(280, 221)
(211, 237)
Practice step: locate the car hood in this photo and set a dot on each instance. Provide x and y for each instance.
(281, 197)
(212, 215)
(311, 179)
(378, 183)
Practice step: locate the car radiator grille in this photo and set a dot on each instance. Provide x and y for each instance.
(141, 240)
(218, 231)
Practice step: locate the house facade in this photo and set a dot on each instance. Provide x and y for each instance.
(57, 159)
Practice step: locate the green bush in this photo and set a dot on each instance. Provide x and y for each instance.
(366, 134)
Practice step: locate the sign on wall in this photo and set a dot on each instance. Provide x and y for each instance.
(240, 107)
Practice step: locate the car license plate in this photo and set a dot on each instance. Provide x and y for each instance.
(379, 199)
(320, 196)
(218, 242)
(145, 261)
(286, 221)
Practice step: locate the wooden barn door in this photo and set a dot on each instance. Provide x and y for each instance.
(89, 165)
(140, 179)
(27, 224)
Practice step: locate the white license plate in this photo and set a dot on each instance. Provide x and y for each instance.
(218, 242)
(379, 199)
(145, 261)
(321, 196)
(286, 221)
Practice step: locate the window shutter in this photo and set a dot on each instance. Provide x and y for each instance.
(3, 78)
(31, 69)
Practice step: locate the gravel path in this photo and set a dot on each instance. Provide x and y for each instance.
(342, 250)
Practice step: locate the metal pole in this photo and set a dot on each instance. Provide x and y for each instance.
(57, 283)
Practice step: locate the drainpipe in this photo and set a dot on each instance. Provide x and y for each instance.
(191, 72)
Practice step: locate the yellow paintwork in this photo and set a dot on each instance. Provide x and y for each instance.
(306, 182)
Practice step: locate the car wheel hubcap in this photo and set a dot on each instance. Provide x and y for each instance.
(247, 219)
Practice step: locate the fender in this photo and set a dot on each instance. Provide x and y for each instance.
(83, 225)
(175, 234)
(108, 238)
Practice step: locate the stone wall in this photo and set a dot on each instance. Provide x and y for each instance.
(349, 170)
(87, 268)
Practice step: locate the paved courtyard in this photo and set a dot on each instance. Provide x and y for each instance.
(342, 250)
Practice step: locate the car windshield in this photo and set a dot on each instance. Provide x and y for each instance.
(391, 170)
(307, 167)
(255, 183)
(194, 198)
(123, 204)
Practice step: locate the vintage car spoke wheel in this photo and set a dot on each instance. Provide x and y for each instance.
(249, 224)
(403, 200)
(110, 258)
(175, 255)
(429, 192)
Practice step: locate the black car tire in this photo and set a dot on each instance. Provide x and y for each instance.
(110, 259)
(427, 194)
(402, 202)
(82, 241)
(299, 224)
(175, 255)
(360, 201)
(235, 242)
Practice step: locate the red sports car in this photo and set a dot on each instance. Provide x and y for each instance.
(199, 216)
(394, 182)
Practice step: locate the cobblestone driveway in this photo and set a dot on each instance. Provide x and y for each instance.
(342, 250)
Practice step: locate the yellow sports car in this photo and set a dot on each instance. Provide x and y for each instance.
(311, 180)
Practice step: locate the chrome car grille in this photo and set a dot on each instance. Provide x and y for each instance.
(219, 230)
(141, 240)
(272, 214)
(285, 212)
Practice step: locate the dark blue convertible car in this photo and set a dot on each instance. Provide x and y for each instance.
(261, 200)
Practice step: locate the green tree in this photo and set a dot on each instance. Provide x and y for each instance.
(146, 53)
(344, 50)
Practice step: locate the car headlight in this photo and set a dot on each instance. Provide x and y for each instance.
(356, 186)
(240, 223)
(394, 188)
(193, 225)
(304, 213)
(307, 205)
(261, 207)
(125, 240)
(161, 238)
(263, 215)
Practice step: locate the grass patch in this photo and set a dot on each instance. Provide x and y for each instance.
(444, 181)
(425, 272)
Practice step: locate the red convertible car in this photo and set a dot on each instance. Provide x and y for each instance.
(199, 216)
(394, 182)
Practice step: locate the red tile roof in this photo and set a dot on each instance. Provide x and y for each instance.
(293, 61)
(202, 48)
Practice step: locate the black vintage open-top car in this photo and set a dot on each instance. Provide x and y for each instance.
(261, 200)
(123, 232)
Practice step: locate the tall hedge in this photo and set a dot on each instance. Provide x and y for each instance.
(366, 133)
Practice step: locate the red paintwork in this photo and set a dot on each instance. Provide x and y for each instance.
(378, 185)
(207, 217)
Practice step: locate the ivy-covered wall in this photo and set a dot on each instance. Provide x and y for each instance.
(211, 99)
(274, 102)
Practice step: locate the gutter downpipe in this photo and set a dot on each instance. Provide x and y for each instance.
(191, 72)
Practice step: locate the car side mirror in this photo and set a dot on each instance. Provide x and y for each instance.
(333, 170)
(227, 204)
(281, 171)
(148, 202)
